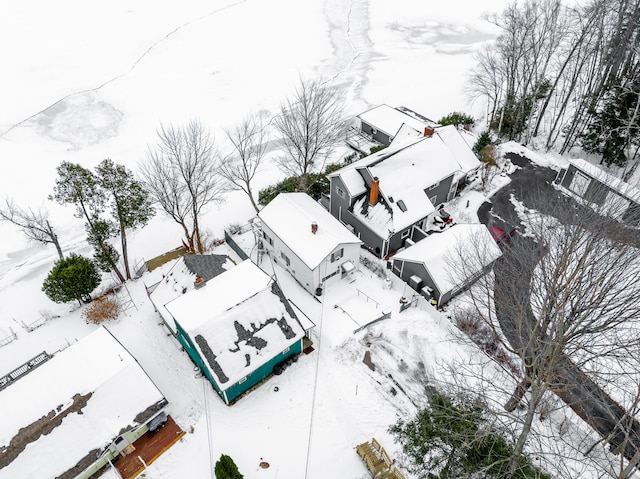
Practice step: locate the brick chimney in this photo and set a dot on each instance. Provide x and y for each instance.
(373, 195)
(314, 227)
(428, 131)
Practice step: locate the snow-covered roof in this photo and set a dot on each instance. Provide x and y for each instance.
(389, 120)
(290, 215)
(238, 321)
(616, 184)
(442, 253)
(459, 148)
(179, 275)
(94, 387)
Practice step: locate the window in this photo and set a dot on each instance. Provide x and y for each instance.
(404, 234)
(267, 238)
(336, 255)
(434, 200)
(242, 380)
(434, 186)
(340, 192)
(285, 351)
(329, 276)
(285, 258)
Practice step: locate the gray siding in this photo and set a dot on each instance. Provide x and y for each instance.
(409, 268)
(337, 202)
(369, 238)
(379, 136)
(441, 192)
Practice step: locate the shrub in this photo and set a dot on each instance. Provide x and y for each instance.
(74, 277)
(457, 118)
(227, 469)
(102, 309)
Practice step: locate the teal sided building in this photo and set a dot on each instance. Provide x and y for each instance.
(237, 328)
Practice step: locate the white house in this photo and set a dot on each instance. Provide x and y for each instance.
(442, 264)
(74, 411)
(303, 237)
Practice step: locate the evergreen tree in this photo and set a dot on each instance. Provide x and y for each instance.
(74, 277)
(457, 118)
(483, 140)
(614, 131)
(79, 186)
(454, 438)
(130, 205)
(227, 469)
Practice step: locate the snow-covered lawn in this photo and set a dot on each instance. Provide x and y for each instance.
(90, 80)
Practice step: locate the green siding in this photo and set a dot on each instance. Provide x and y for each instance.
(251, 380)
(261, 373)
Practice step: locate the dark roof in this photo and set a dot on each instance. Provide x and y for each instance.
(206, 266)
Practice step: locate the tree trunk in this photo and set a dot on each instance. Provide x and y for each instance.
(518, 395)
(536, 395)
(125, 252)
(54, 240)
(253, 202)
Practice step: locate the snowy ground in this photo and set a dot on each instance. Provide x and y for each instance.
(90, 80)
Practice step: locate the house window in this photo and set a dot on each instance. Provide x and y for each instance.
(404, 234)
(329, 276)
(285, 258)
(267, 238)
(374, 131)
(434, 186)
(242, 380)
(434, 200)
(285, 351)
(340, 192)
(336, 255)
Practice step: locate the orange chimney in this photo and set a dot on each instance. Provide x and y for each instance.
(373, 195)
(314, 227)
(428, 131)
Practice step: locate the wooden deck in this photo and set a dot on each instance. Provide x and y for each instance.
(148, 448)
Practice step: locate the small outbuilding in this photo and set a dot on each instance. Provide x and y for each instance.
(443, 264)
(237, 329)
(608, 194)
(68, 415)
(303, 238)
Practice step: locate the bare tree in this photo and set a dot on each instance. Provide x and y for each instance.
(181, 173)
(311, 123)
(34, 224)
(564, 293)
(249, 147)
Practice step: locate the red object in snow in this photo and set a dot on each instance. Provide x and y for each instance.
(501, 236)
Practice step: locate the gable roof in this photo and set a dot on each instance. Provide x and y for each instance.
(289, 216)
(459, 147)
(389, 120)
(95, 388)
(441, 254)
(178, 278)
(238, 321)
(616, 184)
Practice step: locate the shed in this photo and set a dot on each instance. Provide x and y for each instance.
(237, 328)
(444, 263)
(608, 194)
(303, 237)
(68, 410)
